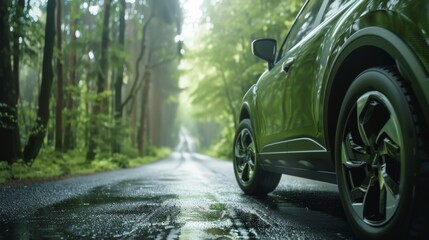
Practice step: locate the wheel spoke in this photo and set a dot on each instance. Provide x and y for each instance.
(245, 173)
(251, 164)
(239, 153)
(364, 111)
(353, 157)
(240, 166)
(251, 153)
(391, 192)
(357, 194)
(389, 141)
(381, 200)
(390, 149)
(251, 160)
(381, 213)
(362, 193)
(372, 116)
(371, 202)
(392, 201)
(251, 146)
(390, 130)
(387, 182)
(243, 140)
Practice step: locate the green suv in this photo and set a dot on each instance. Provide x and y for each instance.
(345, 99)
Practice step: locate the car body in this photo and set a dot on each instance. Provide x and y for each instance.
(297, 120)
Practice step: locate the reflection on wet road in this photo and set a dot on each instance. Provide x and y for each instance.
(186, 196)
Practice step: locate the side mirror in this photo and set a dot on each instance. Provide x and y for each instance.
(265, 49)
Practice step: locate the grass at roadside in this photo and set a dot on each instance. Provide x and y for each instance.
(51, 164)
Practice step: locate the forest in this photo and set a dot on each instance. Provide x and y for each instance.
(94, 85)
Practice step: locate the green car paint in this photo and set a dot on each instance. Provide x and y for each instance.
(294, 113)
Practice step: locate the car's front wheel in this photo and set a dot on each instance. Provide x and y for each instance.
(378, 154)
(250, 176)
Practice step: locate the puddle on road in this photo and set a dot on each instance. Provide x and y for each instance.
(219, 221)
(129, 210)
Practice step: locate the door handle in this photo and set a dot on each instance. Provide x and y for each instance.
(287, 64)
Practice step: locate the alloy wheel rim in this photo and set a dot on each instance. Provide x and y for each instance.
(245, 156)
(371, 159)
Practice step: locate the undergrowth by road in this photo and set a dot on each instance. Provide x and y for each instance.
(51, 165)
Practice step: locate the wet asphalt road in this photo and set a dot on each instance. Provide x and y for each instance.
(185, 196)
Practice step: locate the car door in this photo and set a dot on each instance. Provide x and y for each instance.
(284, 93)
(305, 78)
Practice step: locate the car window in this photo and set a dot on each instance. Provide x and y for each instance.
(303, 24)
(332, 8)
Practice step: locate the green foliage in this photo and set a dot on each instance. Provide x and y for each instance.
(120, 160)
(103, 165)
(39, 169)
(73, 162)
(31, 31)
(157, 153)
(222, 147)
(151, 150)
(53, 164)
(5, 173)
(128, 150)
(80, 55)
(226, 67)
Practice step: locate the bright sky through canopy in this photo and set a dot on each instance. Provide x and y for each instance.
(192, 14)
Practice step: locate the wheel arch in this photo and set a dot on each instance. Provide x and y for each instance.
(244, 112)
(370, 47)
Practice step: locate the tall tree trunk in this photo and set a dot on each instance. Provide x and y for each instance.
(133, 124)
(134, 87)
(9, 131)
(155, 116)
(99, 107)
(18, 33)
(102, 75)
(229, 98)
(143, 116)
(60, 93)
(38, 132)
(132, 95)
(119, 79)
(69, 136)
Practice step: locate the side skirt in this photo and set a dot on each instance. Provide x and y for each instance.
(312, 165)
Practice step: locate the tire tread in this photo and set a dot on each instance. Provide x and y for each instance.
(420, 223)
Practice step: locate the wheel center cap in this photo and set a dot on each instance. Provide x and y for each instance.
(375, 162)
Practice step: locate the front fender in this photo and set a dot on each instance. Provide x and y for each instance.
(247, 105)
(249, 110)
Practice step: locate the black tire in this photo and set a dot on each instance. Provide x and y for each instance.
(250, 176)
(378, 155)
